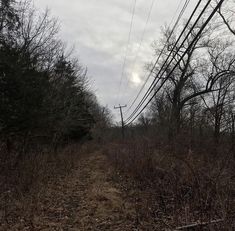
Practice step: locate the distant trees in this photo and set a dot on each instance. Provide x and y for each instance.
(44, 93)
(199, 94)
(145, 121)
(218, 102)
(226, 14)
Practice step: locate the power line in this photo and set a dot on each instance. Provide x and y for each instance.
(128, 43)
(190, 46)
(143, 35)
(159, 56)
(156, 81)
(172, 31)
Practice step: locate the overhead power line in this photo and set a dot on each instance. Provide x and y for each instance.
(190, 46)
(127, 48)
(159, 56)
(156, 62)
(157, 79)
(143, 33)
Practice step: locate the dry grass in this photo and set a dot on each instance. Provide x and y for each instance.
(156, 187)
(24, 186)
(177, 188)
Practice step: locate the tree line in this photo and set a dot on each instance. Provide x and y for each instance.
(198, 100)
(45, 92)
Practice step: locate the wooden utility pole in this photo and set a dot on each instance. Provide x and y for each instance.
(123, 127)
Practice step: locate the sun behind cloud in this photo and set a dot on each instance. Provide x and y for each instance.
(135, 79)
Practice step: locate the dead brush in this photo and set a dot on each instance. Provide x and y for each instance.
(183, 188)
(26, 183)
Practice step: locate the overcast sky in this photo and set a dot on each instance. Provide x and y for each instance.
(99, 31)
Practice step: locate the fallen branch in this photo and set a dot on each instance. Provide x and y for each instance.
(199, 225)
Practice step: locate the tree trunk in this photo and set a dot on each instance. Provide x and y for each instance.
(217, 127)
(174, 127)
(233, 133)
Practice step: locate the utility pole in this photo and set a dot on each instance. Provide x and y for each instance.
(123, 127)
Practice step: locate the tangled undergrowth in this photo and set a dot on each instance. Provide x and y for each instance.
(177, 189)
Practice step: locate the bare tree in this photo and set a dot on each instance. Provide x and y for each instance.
(39, 35)
(222, 59)
(198, 73)
(145, 121)
(226, 13)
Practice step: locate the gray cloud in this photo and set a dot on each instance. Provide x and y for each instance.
(99, 31)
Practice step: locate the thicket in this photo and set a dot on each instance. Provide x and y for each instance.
(46, 105)
(45, 95)
(179, 157)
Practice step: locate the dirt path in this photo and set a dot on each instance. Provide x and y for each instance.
(87, 199)
(103, 206)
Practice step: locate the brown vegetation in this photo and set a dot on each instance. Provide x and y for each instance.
(28, 189)
(173, 169)
(177, 189)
